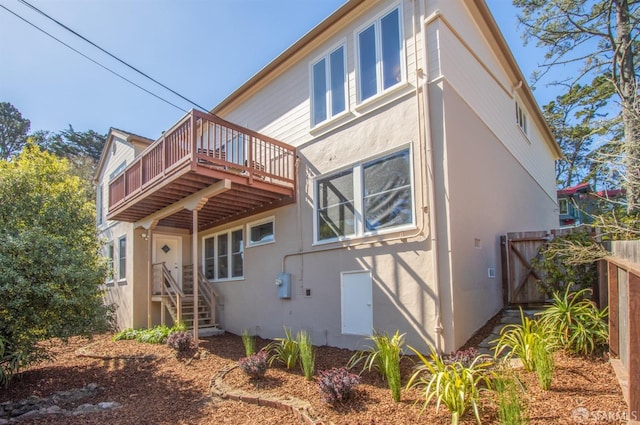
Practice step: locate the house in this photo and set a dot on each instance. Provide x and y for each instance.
(578, 204)
(380, 158)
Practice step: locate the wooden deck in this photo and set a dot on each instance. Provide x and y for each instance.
(198, 151)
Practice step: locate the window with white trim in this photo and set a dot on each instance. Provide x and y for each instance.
(110, 262)
(564, 206)
(99, 205)
(379, 55)
(328, 86)
(261, 232)
(521, 118)
(368, 198)
(224, 256)
(122, 258)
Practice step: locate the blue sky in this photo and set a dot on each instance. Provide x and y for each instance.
(201, 49)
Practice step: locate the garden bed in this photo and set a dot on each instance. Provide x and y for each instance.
(154, 386)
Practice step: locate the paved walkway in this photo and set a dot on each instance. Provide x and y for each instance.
(509, 316)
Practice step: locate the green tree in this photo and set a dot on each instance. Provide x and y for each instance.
(601, 38)
(50, 258)
(13, 130)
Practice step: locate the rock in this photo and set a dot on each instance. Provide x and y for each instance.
(92, 386)
(107, 405)
(33, 399)
(85, 408)
(54, 410)
(3, 421)
(30, 414)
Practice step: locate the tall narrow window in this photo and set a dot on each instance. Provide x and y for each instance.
(328, 86)
(122, 258)
(335, 209)
(237, 252)
(210, 258)
(99, 205)
(110, 262)
(521, 118)
(380, 55)
(223, 256)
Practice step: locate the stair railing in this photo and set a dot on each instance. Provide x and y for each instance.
(169, 290)
(208, 293)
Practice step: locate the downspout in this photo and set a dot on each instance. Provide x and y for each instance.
(431, 185)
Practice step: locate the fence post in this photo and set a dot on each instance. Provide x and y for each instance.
(505, 270)
(634, 346)
(614, 320)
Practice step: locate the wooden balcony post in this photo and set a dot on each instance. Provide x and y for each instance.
(194, 261)
(149, 279)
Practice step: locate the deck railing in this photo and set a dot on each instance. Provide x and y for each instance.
(206, 140)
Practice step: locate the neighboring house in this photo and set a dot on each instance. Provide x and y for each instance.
(389, 149)
(577, 204)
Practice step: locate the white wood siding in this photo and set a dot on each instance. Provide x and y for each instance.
(491, 102)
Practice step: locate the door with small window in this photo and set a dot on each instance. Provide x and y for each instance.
(167, 250)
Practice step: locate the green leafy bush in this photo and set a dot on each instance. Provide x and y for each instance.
(155, 335)
(307, 356)
(384, 356)
(249, 343)
(337, 384)
(579, 326)
(456, 385)
(284, 350)
(520, 340)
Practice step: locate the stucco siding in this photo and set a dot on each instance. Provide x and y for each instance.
(490, 193)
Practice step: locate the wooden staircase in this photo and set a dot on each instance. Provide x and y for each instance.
(179, 302)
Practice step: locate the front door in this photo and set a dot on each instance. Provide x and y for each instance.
(168, 250)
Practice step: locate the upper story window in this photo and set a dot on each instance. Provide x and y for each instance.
(110, 263)
(379, 55)
(99, 205)
(564, 206)
(328, 80)
(224, 256)
(365, 199)
(521, 118)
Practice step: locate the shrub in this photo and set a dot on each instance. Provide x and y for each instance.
(455, 385)
(307, 356)
(384, 356)
(249, 343)
(284, 350)
(520, 340)
(578, 324)
(254, 365)
(156, 335)
(544, 366)
(510, 407)
(337, 384)
(181, 341)
(11, 361)
(464, 357)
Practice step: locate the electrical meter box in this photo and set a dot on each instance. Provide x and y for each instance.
(283, 282)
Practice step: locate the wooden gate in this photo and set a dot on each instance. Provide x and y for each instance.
(520, 282)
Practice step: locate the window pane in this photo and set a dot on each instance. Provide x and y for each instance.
(388, 209)
(319, 92)
(336, 59)
(236, 253)
(110, 256)
(336, 221)
(390, 31)
(387, 192)
(209, 258)
(223, 262)
(367, 62)
(335, 189)
(262, 233)
(122, 265)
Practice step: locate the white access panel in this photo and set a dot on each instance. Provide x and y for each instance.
(356, 302)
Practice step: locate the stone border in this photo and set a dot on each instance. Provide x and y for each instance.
(301, 409)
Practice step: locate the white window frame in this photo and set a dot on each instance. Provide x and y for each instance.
(522, 118)
(358, 201)
(122, 258)
(99, 206)
(376, 22)
(249, 243)
(214, 236)
(565, 202)
(329, 93)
